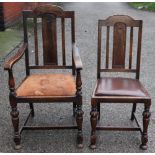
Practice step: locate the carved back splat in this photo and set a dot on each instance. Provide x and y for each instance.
(119, 45)
(49, 39)
(49, 13)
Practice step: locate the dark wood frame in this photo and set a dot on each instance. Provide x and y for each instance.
(76, 68)
(96, 100)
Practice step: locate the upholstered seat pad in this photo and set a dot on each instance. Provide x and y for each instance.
(119, 87)
(48, 85)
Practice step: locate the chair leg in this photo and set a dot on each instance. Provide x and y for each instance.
(98, 109)
(32, 109)
(74, 108)
(79, 120)
(15, 121)
(133, 111)
(93, 119)
(146, 120)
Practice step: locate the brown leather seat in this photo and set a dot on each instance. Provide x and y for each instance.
(48, 85)
(119, 87)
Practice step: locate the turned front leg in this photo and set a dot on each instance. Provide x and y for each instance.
(146, 120)
(79, 120)
(14, 112)
(79, 112)
(15, 121)
(93, 120)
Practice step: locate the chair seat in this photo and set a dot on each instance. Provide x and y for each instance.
(119, 87)
(47, 85)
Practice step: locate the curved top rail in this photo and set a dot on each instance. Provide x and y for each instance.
(119, 17)
(129, 21)
(49, 9)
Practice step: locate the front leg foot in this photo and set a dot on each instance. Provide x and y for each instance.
(93, 142)
(146, 120)
(93, 119)
(80, 140)
(17, 147)
(143, 147)
(79, 120)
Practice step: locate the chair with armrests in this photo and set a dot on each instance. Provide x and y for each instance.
(120, 89)
(42, 88)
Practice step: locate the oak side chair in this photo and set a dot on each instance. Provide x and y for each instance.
(42, 88)
(119, 89)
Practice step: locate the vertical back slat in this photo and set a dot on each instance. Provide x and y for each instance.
(99, 49)
(36, 40)
(63, 40)
(119, 45)
(73, 40)
(131, 46)
(107, 47)
(49, 39)
(26, 41)
(139, 50)
(73, 29)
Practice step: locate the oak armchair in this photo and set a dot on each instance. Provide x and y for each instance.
(39, 88)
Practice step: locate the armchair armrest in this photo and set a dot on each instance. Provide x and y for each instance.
(76, 57)
(9, 64)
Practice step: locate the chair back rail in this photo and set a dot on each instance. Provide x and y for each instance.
(48, 15)
(63, 40)
(36, 41)
(120, 24)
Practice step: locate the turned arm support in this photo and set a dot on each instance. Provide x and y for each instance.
(76, 58)
(9, 64)
(78, 67)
